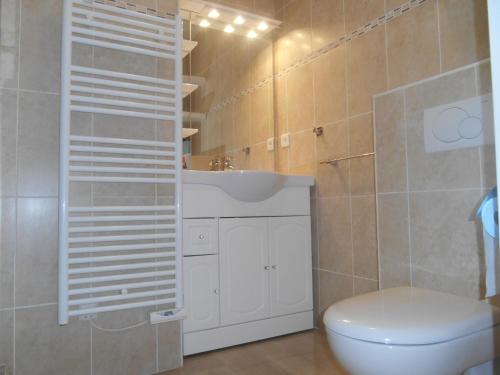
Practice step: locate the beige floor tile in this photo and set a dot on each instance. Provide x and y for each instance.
(305, 353)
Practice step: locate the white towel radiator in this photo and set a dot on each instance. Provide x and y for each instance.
(114, 257)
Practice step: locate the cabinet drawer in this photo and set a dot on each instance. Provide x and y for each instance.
(200, 236)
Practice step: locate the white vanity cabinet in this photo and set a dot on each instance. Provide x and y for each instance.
(201, 292)
(265, 267)
(247, 264)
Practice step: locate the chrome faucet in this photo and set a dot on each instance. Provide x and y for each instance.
(228, 163)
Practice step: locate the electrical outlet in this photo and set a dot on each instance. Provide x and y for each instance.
(270, 144)
(285, 140)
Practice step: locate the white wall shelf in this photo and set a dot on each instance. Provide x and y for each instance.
(187, 132)
(188, 46)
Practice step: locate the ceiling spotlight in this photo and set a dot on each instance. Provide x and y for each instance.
(228, 29)
(204, 23)
(214, 13)
(263, 26)
(252, 34)
(239, 20)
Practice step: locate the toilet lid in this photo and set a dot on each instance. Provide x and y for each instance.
(409, 316)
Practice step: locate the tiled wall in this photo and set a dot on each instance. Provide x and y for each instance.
(331, 57)
(31, 341)
(428, 235)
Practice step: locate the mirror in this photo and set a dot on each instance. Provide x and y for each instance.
(228, 107)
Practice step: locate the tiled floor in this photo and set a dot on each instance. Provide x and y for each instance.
(304, 353)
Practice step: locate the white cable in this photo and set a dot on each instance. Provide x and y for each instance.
(117, 329)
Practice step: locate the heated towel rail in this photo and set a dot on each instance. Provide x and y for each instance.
(115, 256)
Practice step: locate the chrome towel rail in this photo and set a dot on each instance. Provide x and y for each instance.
(335, 161)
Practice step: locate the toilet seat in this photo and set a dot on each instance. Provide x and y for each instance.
(409, 316)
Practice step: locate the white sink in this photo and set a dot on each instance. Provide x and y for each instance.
(247, 186)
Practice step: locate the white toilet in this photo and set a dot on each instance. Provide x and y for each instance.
(413, 331)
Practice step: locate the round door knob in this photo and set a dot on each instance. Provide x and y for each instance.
(201, 237)
(267, 268)
(274, 266)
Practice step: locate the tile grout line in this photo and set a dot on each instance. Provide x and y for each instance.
(438, 16)
(16, 206)
(407, 186)
(377, 213)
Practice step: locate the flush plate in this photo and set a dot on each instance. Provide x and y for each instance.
(463, 124)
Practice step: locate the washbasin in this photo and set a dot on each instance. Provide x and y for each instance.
(247, 186)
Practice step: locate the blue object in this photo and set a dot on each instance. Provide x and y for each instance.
(488, 213)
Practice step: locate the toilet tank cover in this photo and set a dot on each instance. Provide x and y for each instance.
(409, 316)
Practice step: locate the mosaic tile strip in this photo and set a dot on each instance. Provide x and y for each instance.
(134, 7)
(382, 20)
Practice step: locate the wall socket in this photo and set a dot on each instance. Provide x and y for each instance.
(285, 140)
(270, 144)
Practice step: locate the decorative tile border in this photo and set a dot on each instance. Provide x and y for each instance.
(382, 20)
(133, 7)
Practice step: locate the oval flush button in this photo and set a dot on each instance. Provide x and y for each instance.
(470, 127)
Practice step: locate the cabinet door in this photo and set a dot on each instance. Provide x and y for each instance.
(244, 270)
(291, 265)
(201, 292)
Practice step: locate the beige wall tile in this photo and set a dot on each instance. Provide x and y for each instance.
(393, 240)
(362, 286)
(38, 145)
(366, 70)
(464, 32)
(169, 346)
(334, 143)
(394, 274)
(361, 134)
(37, 251)
(333, 180)
(7, 340)
(483, 72)
(333, 287)
(327, 22)
(362, 175)
(488, 166)
(413, 46)
(330, 87)
(9, 58)
(444, 237)
(295, 36)
(300, 99)
(452, 169)
(129, 351)
(44, 347)
(302, 148)
(461, 286)
(8, 143)
(7, 251)
(260, 158)
(261, 102)
(393, 4)
(335, 241)
(241, 121)
(40, 50)
(390, 140)
(364, 237)
(360, 12)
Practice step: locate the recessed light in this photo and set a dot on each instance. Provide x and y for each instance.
(263, 26)
(204, 23)
(214, 13)
(252, 34)
(228, 29)
(239, 20)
